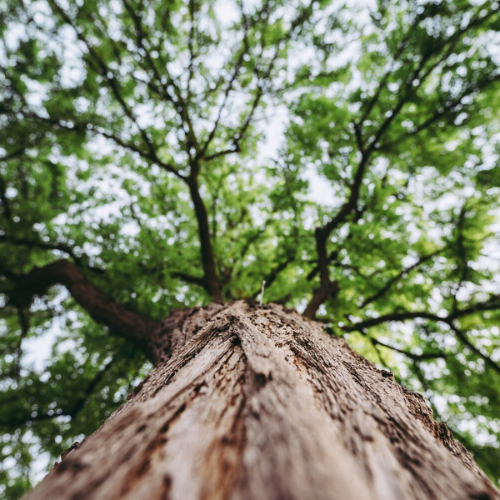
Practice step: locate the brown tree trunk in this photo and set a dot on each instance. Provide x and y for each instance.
(258, 403)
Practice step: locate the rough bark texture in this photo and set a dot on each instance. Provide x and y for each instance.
(258, 403)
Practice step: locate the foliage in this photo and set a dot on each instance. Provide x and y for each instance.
(374, 122)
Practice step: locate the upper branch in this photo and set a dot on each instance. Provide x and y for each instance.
(489, 305)
(366, 150)
(210, 279)
(327, 287)
(390, 282)
(262, 79)
(102, 68)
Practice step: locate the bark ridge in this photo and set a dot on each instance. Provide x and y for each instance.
(257, 402)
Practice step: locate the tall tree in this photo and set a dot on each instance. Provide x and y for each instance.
(339, 159)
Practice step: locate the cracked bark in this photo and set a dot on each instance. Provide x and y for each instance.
(257, 402)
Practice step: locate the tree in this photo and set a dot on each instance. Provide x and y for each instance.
(337, 159)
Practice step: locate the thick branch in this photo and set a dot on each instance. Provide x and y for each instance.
(207, 253)
(396, 316)
(420, 357)
(321, 234)
(101, 307)
(492, 304)
(189, 278)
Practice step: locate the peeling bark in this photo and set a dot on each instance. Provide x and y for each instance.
(258, 403)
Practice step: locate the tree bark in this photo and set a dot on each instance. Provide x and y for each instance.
(257, 402)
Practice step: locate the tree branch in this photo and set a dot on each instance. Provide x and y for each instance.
(101, 307)
(299, 20)
(492, 304)
(207, 253)
(463, 337)
(411, 355)
(72, 411)
(45, 245)
(189, 278)
(366, 151)
(273, 274)
(382, 291)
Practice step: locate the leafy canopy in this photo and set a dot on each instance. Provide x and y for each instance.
(183, 150)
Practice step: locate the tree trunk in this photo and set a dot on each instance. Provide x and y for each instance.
(257, 402)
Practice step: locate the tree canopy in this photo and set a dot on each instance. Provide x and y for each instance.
(183, 151)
